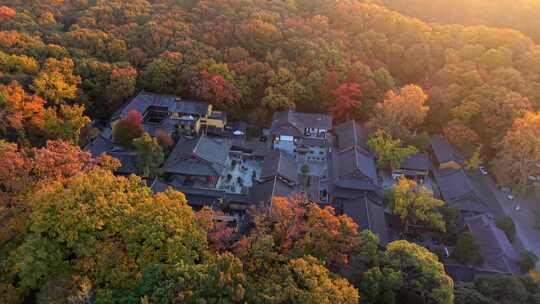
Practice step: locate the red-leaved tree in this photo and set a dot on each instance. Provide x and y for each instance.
(347, 98)
(128, 128)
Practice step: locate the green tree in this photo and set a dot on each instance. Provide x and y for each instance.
(282, 91)
(528, 261)
(475, 160)
(465, 293)
(106, 228)
(390, 152)
(150, 154)
(220, 279)
(408, 272)
(502, 289)
(467, 251)
(163, 74)
(415, 204)
(379, 286)
(507, 225)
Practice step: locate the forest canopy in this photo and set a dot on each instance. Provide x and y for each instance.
(74, 231)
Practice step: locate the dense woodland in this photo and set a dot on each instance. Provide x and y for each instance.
(72, 232)
(521, 15)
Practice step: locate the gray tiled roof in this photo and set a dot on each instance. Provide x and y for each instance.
(128, 161)
(101, 144)
(454, 185)
(211, 157)
(263, 192)
(495, 247)
(443, 150)
(355, 160)
(368, 215)
(172, 103)
(294, 123)
(280, 164)
(350, 134)
(419, 161)
(458, 191)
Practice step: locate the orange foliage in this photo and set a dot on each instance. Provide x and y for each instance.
(300, 228)
(22, 170)
(6, 13)
(347, 100)
(461, 136)
(21, 111)
(220, 236)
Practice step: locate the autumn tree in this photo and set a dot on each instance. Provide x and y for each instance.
(121, 86)
(104, 227)
(23, 170)
(347, 101)
(415, 205)
(6, 13)
(519, 155)
(163, 74)
(496, 107)
(303, 280)
(22, 114)
(223, 278)
(66, 124)
(127, 129)
(401, 113)
(282, 90)
(390, 152)
(298, 228)
(57, 82)
(462, 137)
(150, 154)
(215, 89)
(258, 35)
(221, 236)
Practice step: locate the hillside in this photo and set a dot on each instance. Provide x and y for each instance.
(521, 15)
(77, 230)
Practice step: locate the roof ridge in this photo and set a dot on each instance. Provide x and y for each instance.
(196, 147)
(278, 163)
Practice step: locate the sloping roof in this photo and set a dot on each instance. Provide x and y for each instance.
(173, 104)
(454, 184)
(295, 122)
(356, 159)
(101, 144)
(444, 151)
(368, 215)
(280, 164)
(419, 161)
(315, 120)
(214, 156)
(459, 192)
(495, 247)
(263, 192)
(158, 185)
(128, 161)
(350, 134)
